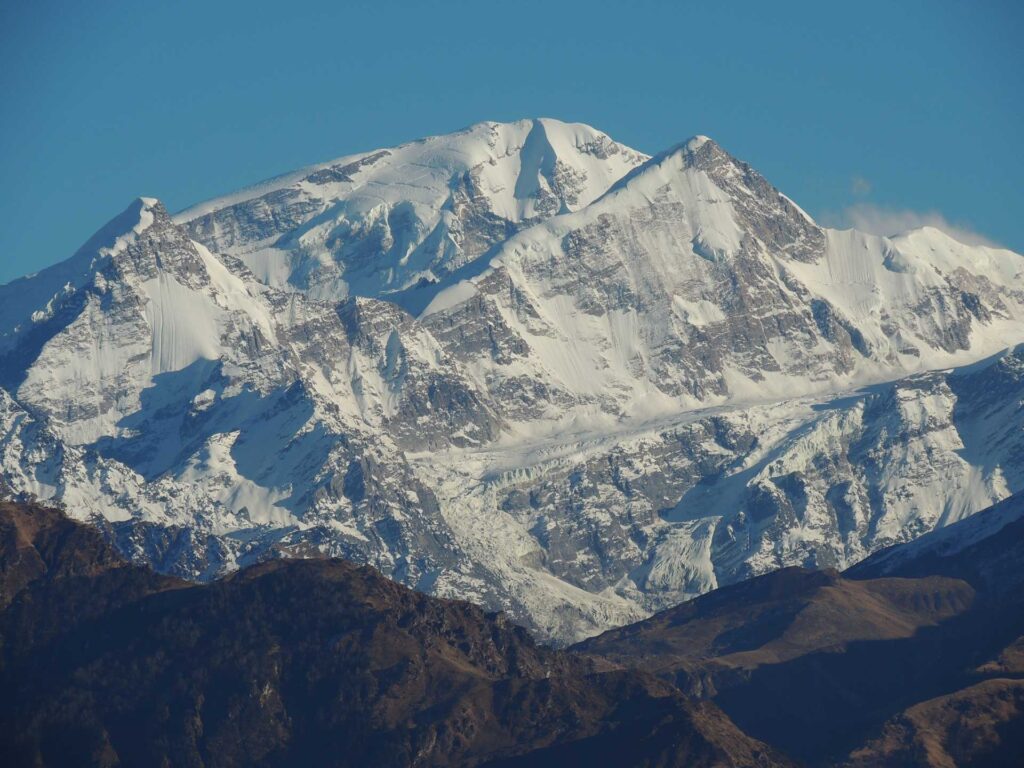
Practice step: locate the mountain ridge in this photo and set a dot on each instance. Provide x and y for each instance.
(316, 659)
(916, 665)
(301, 661)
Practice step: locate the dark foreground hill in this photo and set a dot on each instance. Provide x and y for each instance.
(315, 662)
(915, 657)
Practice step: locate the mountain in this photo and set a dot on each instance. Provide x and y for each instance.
(912, 657)
(302, 662)
(521, 365)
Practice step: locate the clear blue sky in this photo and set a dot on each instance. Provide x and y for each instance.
(854, 110)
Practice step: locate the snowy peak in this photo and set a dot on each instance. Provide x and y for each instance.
(33, 298)
(138, 301)
(671, 161)
(725, 200)
(538, 170)
(114, 236)
(699, 152)
(383, 221)
(694, 277)
(520, 148)
(152, 245)
(556, 160)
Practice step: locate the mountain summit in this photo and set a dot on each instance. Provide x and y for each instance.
(382, 221)
(521, 364)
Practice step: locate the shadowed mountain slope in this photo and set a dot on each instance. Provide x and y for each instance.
(922, 667)
(301, 663)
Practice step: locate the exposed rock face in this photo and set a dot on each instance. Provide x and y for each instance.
(298, 663)
(521, 365)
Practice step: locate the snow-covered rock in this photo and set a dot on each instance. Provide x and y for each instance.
(381, 221)
(522, 365)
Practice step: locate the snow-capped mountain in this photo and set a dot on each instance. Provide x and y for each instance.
(521, 364)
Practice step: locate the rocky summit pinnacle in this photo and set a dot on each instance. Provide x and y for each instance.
(521, 364)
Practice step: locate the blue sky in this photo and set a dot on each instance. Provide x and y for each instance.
(862, 112)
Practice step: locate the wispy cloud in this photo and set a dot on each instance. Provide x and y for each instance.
(868, 217)
(860, 186)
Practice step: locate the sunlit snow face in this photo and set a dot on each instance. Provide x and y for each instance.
(389, 220)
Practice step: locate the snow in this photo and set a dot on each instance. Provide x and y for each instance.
(707, 210)
(234, 294)
(700, 313)
(261, 188)
(954, 538)
(799, 210)
(683, 559)
(215, 468)
(184, 325)
(450, 297)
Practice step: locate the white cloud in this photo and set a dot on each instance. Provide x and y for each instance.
(877, 220)
(860, 186)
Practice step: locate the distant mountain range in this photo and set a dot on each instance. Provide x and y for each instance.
(913, 658)
(521, 365)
